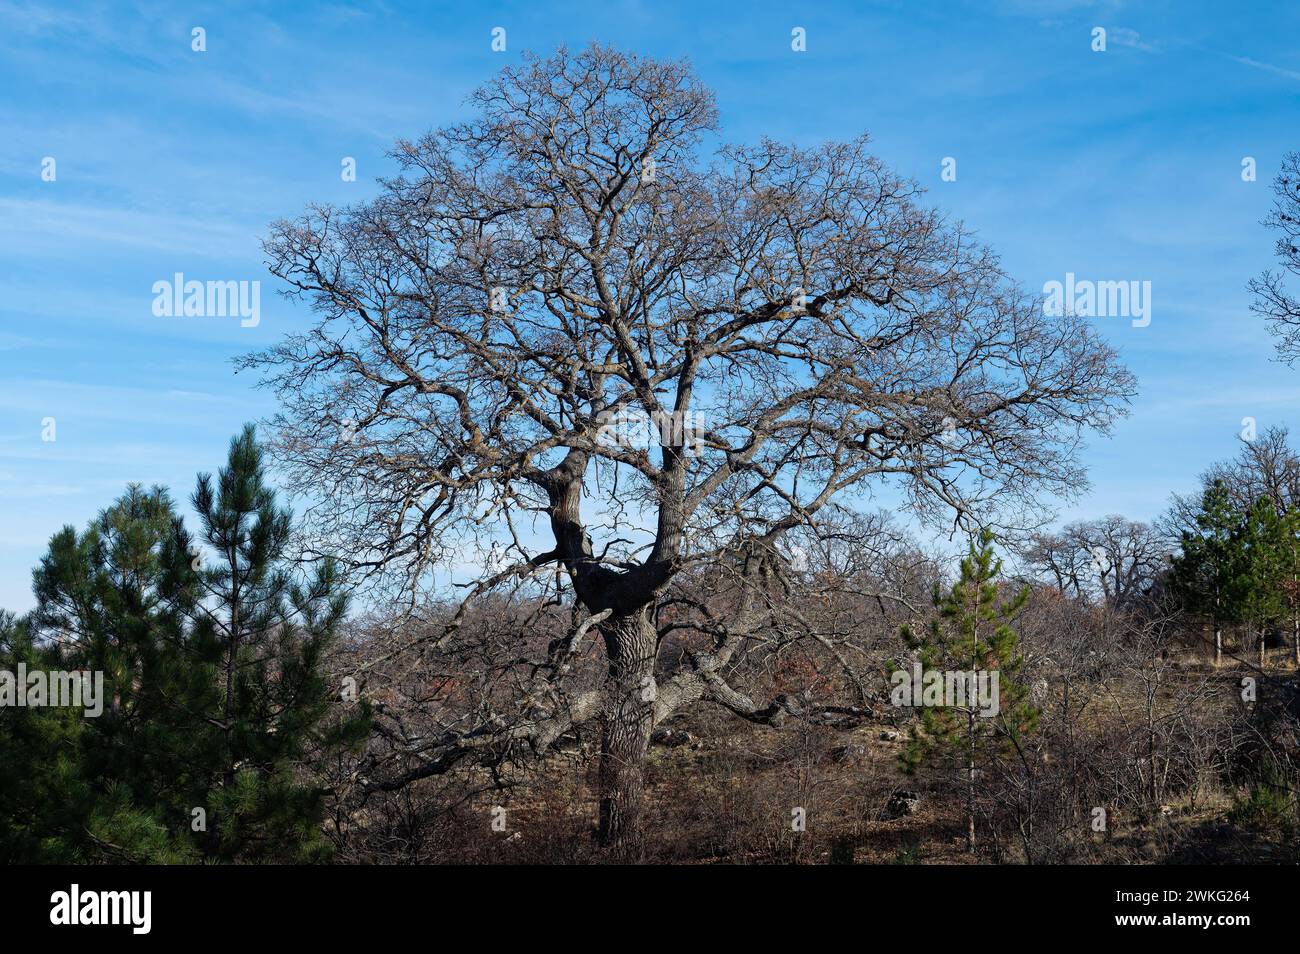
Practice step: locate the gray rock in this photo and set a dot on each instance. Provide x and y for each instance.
(671, 737)
(903, 802)
(852, 752)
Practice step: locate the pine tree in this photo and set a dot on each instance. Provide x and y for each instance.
(99, 789)
(1290, 571)
(972, 631)
(1263, 551)
(216, 698)
(267, 634)
(1206, 573)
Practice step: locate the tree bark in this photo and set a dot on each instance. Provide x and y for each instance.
(970, 782)
(232, 661)
(1295, 638)
(630, 642)
(631, 648)
(1292, 596)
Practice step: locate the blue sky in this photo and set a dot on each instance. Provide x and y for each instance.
(1122, 165)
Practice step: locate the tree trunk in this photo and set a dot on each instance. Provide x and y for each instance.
(631, 646)
(1292, 596)
(1151, 757)
(1218, 644)
(970, 752)
(970, 782)
(232, 661)
(1295, 638)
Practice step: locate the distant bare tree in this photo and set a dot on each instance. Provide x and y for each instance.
(795, 328)
(1112, 559)
(1265, 467)
(1273, 301)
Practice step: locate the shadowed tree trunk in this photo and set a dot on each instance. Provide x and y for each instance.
(631, 646)
(629, 718)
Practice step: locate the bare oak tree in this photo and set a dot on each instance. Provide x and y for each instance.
(1274, 302)
(795, 328)
(1111, 559)
(1266, 466)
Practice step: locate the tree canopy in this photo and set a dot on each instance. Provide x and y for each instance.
(797, 326)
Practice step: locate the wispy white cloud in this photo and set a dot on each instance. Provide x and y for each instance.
(62, 223)
(43, 19)
(13, 342)
(1266, 67)
(1051, 8)
(24, 490)
(1126, 36)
